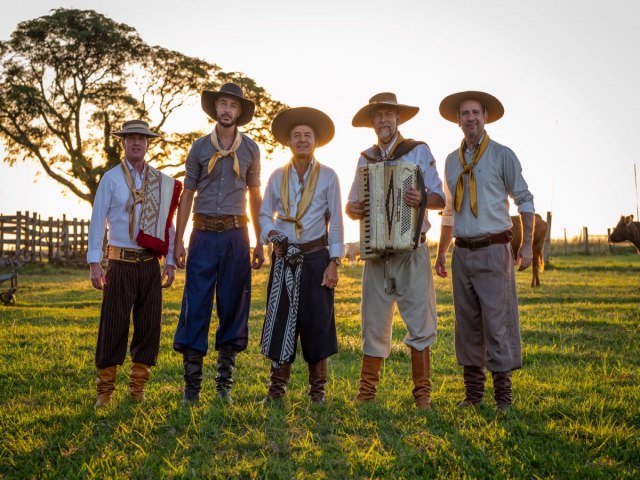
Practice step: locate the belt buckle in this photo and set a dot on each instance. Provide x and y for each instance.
(219, 226)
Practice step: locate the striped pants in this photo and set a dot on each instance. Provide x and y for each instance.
(130, 286)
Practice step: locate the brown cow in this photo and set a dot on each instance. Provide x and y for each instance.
(539, 234)
(626, 230)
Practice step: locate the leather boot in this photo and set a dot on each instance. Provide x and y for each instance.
(317, 380)
(140, 375)
(106, 384)
(224, 377)
(369, 378)
(278, 380)
(192, 362)
(502, 389)
(421, 375)
(474, 378)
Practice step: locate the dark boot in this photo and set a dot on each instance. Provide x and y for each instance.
(369, 378)
(192, 362)
(278, 380)
(224, 377)
(474, 378)
(106, 384)
(140, 375)
(421, 375)
(317, 380)
(502, 389)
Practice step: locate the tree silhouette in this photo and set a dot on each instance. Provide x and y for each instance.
(68, 79)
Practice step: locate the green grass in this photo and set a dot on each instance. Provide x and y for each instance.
(576, 414)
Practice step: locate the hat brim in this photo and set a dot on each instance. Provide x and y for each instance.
(363, 117)
(292, 117)
(449, 105)
(135, 131)
(208, 102)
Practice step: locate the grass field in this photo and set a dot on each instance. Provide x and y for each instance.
(576, 414)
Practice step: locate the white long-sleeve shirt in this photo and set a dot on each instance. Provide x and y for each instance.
(325, 199)
(110, 209)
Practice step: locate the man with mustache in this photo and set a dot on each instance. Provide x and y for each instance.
(480, 176)
(397, 278)
(137, 202)
(302, 216)
(220, 169)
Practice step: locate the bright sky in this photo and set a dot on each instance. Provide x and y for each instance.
(567, 72)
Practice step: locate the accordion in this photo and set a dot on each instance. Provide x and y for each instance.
(389, 224)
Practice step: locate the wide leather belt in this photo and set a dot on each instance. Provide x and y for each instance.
(129, 254)
(219, 223)
(313, 245)
(474, 243)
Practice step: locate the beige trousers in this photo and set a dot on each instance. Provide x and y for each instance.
(405, 280)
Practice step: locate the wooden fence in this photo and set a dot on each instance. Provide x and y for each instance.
(27, 238)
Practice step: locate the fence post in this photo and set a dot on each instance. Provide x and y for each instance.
(566, 247)
(65, 237)
(585, 235)
(611, 246)
(547, 241)
(18, 233)
(50, 239)
(1, 235)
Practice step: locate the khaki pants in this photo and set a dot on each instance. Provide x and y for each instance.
(409, 285)
(487, 327)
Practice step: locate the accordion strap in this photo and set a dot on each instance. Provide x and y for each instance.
(421, 210)
(404, 147)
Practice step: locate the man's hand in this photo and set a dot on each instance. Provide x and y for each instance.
(441, 269)
(98, 279)
(355, 210)
(258, 256)
(170, 274)
(330, 276)
(524, 257)
(179, 254)
(413, 197)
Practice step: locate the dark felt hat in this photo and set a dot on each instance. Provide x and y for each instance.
(209, 98)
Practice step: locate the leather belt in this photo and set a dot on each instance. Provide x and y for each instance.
(313, 245)
(129, 254)
(474, 243)
(219, 223)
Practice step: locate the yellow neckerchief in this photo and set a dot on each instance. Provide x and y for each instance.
(468, 169)
(223, 153)
(308, 191)
(399, 140)
(137, 195)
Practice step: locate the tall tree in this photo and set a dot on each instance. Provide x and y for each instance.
(68, 79)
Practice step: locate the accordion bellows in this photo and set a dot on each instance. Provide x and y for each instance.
(388, 224)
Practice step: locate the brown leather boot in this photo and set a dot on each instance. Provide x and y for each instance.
(106, 384)
(140, 375)
(502, 389)
(474, 378)
(317, 380)
(421, 375)
(369, 378)
(278, 381)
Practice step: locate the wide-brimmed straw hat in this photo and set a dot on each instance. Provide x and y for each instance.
(292, 117)
(384, 99)
(449, 106)
(209, 98)
(135, 127)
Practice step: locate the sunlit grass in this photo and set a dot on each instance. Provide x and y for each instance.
(576, 414)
